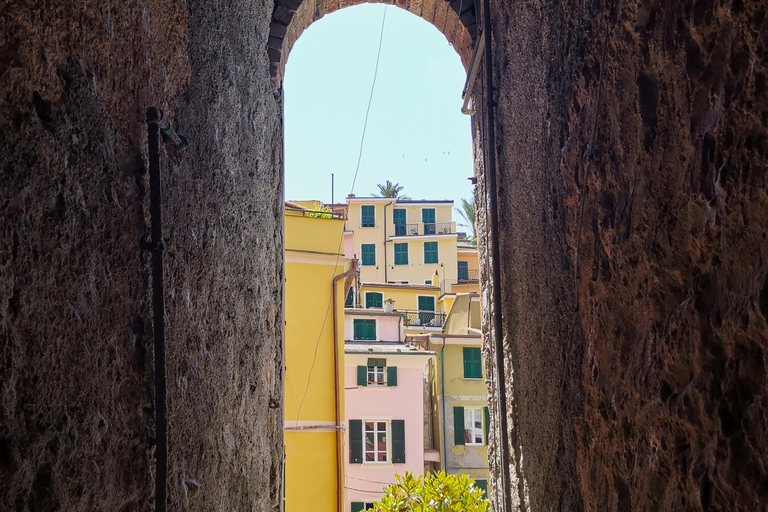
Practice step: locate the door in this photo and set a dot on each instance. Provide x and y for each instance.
(427, 304)
(428, 218)
(398, 216)
(463, 271)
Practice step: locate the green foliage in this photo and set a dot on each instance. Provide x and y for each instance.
(391, 190)
(467, 212)
(436, 492)
(318, 212)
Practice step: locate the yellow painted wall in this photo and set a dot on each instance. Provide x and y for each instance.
(404, 297)
(312, 259)
(310, 474)
(455, 383)
(416, 271)
(369, 235)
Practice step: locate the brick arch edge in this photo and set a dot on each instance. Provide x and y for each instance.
(456, 19)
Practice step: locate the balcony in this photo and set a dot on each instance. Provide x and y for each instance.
(423, 229)
(422, 318)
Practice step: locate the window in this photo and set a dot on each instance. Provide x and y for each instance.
(364, 330)
(470, 426)
(367, 216)
(430, 252)
(368, 253)
(398, 217)
(376, 373)
(482, 484)
(375, 447)
(359, 506)
(463, 271)
(473, 426)
(374, 300)
(426, 304)
(428, 218)
(473, 364)
(401, 254)
(350, 302)
(370, 441)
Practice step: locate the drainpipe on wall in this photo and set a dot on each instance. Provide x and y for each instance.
(385, 239)
(339, 455)
(442, 393)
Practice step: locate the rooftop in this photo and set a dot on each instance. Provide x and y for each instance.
(383, 347)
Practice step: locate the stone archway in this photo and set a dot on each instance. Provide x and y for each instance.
(456, 19)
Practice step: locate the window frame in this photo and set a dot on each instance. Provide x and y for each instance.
(436, 251)
(362, 255)
(433, 229)
(469, 417)
(380, 301)
(371, 374)
(363, 216)
(387, 441)
(395, 252)
(403, 225)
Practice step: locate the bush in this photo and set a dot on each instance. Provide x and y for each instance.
(436, 492)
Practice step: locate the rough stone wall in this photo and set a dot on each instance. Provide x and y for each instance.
(632, 154)
(76, 414)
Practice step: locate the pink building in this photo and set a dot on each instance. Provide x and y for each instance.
(385, 407)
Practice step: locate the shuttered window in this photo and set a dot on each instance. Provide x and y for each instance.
(355, 441)
(364, 330)
(483, 486)
(350, 298)
(430, 252)
(367, 216)
(368, 254)
(398, 441)
(458, 426)
(374, 300)
(401, 254)
(473, 363)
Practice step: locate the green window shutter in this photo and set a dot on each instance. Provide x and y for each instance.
(362, 376)
(463, 271)
(482, 484)
(398, 441)
(391, 376)
(467, 360)
(398, 217)
(364, 330)
(458, 426)
(487, 421)
(368, 216)
(473, 364)
(430, 252)
(358, 506)
(355, 441)
(428, 218)
(374, 300)
(368, 254)
(350, 301)
(358, 331)
(401, 254)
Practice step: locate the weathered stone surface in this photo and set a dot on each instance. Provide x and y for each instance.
(633, 155)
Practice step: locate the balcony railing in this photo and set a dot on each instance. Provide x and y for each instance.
(428, 228)
(422, 318)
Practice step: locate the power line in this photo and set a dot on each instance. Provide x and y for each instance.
(370, 98)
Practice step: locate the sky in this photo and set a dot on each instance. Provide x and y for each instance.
(416, 134)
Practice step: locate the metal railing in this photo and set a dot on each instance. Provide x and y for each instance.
(422, 318)
(428, 228)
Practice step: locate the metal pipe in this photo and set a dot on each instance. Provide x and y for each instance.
(474, 68)
(339, 464)
(154, 116)
(442, 394)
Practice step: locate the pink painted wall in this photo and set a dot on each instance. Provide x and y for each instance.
(402, 402)
(349, 245)
(388, 328)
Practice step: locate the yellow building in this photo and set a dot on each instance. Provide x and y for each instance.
(314, 408)
(403, 241)
(459, 394)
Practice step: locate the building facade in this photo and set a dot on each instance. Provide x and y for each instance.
(313, 464)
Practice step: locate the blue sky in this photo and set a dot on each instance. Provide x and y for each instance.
(416, 133)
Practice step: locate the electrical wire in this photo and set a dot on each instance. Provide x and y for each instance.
(341, 239)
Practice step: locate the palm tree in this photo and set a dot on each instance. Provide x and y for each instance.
(390, 190)
(467, 212)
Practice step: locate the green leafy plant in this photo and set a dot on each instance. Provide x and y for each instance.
(467, 212)
(436, 492)
(391, 190)
(318, 212)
